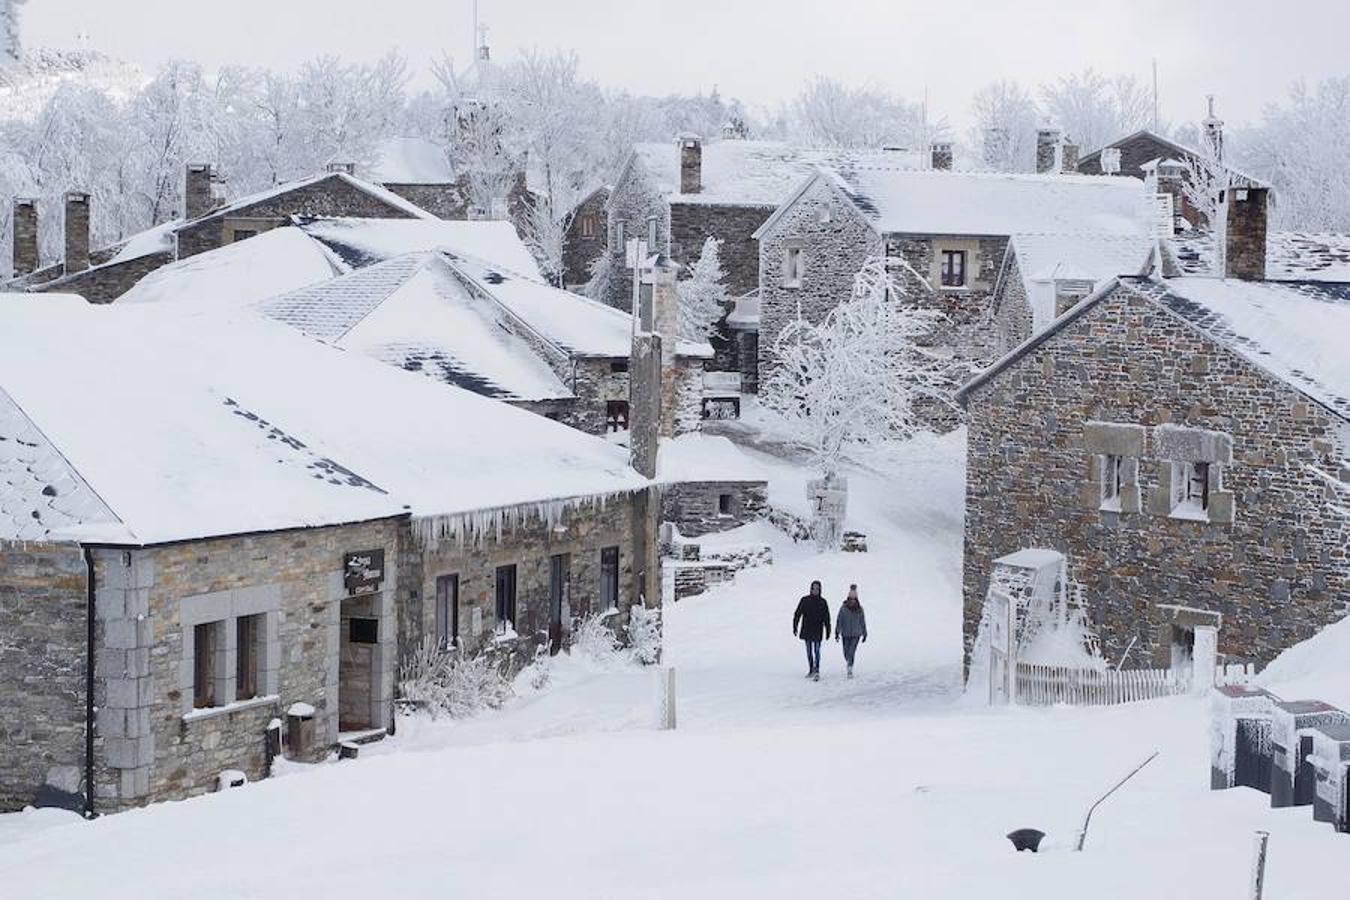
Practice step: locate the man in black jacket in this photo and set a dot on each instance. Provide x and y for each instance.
(809, 622)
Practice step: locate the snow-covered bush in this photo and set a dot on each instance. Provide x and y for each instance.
(703, 296)
(595, 640)
(447, 682)
(644, 635)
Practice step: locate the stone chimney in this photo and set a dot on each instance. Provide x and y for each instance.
(995, 147)
(345, 168)
(198, 190)
(1048, 139)
(77, 232)
(942, 156)
(1069, 158)
(1245, 242)
(25, 236)
(1212, 131)
(691, 164)
(644, 402)
(1110, 160)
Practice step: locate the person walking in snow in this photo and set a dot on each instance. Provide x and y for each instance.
(811, 619)
(851, 627)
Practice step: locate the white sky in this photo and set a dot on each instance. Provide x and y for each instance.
(1246, 51)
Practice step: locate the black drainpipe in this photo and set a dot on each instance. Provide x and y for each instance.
(89, 811)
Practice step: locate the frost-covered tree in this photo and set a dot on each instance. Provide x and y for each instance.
(1094, 109)
(1008, 110)
(9, 30)
(545, 232)
(829, 113)
(858, 377)
(703, 295)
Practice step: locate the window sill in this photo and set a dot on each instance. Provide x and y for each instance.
(1112, 505)
(792, 285)
(210, 712)
(953, 288)
(1188, 512)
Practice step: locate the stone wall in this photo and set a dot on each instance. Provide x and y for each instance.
(150, 744)
(445, 201)
(691, 224)
(43, 640)
(1245, 243)
(105, 283)
(631, 202)
(331, 196)
(595, 382)
(579, 251)
(1012, 309)
(1273, 563)
(696, 507)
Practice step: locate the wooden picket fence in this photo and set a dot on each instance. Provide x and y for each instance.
(1039, 685)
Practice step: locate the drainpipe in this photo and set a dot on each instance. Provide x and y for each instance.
(89, 811)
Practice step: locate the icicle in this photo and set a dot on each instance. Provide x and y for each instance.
(475, 526)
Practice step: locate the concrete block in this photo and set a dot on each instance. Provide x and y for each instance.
(1116, 438)
(137, 602)
(111, 723)
(110, 603)
(1176, 442)
(122, 693)
(120, 753)
(120, 634)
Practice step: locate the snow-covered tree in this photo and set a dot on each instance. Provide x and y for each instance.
(9, 30)
(1007, 109)
(545, 232)
(828, 113)
(858, 377)
(703, 296)
(1094, 109)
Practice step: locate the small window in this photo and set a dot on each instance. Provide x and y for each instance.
(1190, 489)
(609, 578)
(506, 597)
(1112, 479)
(447, 611)
(363, 630)
(620, 235)
(618, 365)
(616, 415)
(792, 267)
(724, 504)
(204, 665)
(953, 268)
(243, 234)
(247, 632)
(588, 226)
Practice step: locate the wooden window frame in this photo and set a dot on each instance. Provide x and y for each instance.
(246, 657)
(507, 596)
(610, 560)
(447, 611)
(947, 274)
(205, 640)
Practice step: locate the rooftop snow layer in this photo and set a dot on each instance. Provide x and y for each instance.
(750, 173)
(1290, 255)
(1043, 259)
(411, 160)
(361, 242)
(158, 239)
(979, 203)
(415, 313)
(704, 457)
(241, 273)
(1296, 331)
(206, 422)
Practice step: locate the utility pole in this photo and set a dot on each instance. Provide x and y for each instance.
(1155, 95)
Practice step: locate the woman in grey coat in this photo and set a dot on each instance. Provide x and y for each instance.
(851, 627)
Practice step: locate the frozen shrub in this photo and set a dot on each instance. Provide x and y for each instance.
(644, 635)
(444, 681)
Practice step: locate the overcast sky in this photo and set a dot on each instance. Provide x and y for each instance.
(1245, 51)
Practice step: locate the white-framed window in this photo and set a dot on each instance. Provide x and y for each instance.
(793, 267)
(1111, 472)
(1190, 489)
(620, 234)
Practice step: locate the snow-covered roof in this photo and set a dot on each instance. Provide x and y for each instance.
(157, 239)
(1178, 153)
(1043, 259)
(415, 313)
(745, 314)
(411, 160)
(748, 173)
(704, 457)
(209, 422)
(908, 201)
(240, 273)
(1290, 255)
(361, 242)
(387, 197)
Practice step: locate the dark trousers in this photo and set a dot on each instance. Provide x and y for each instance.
(812, 654)
(850, 648)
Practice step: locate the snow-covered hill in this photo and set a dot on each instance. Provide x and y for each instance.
(30, 82)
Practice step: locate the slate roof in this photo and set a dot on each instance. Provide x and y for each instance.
(1044, 258)
(1290, 255)
(363, 242)
(1179, 151)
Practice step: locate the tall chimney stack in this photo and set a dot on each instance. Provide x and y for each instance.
(1212, 128)
(1245, 242)
(651, 413)
(1069, 158)
(77, 232)
(1048, 139)
(942, 156)
(25, 236)
(345, 168)
(691, 164)
(198, 196)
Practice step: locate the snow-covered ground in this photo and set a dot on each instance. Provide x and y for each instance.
(772, 787)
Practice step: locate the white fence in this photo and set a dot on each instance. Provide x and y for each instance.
(1039, 685)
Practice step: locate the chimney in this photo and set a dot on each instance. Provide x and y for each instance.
(1069, 158)
(1245, 242)
(345, 168)
(644, 402)
(77, 232)
(996, 148)
(942, 156)
(1212, 129)
(691, 164)
(198, 192)
(1110, 161)
(1048, 138)
(25, 236)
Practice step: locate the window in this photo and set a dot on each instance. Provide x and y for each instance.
(204, 665)
(506, 597)
(724, 506)
(792, 267)
(953, 268)
(363, 630)
(247, 630)
(243, 233)
(1112, 479)
(609, 578)
(447, 611)
(588, 226)
(557, 587)
(1190, 489)
(620, 235)
(618, 365)
(616, 415)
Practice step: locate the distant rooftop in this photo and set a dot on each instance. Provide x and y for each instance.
(411, 160)
(362, 242)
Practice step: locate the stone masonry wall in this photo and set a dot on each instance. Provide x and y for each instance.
(150, 744)
(579, 251)
(43, 622)
(1277, 571)
(445, 201)
(595, 382)
(1012, 310)
(331, 196)
(691, 224)
(104, 284)
(631, 202)
(695, 506)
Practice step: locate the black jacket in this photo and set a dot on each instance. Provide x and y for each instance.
(813, 616)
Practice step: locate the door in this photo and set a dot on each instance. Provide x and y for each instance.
(1253, 757)
(557, 596)
(1305, 776)
(356, 664)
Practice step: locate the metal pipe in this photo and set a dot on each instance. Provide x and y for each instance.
(1082, 835)
(1259, 865)
(89, 711)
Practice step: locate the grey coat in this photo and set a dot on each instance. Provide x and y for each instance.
(851, 622)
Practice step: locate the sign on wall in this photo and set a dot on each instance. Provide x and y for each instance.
(363, 571)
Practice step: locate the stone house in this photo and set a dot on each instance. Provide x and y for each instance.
(423, 172)
(584, 241)
(1183, 442)
(268, 534)
(103, 275)
(951, 229)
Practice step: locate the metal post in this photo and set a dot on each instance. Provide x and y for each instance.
(668, 698)
(1259, 865)
(1087, 820)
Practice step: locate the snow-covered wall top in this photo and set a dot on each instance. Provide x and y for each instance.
(361, 242)
(411, 160)
(207, 422)
(1045, 258)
